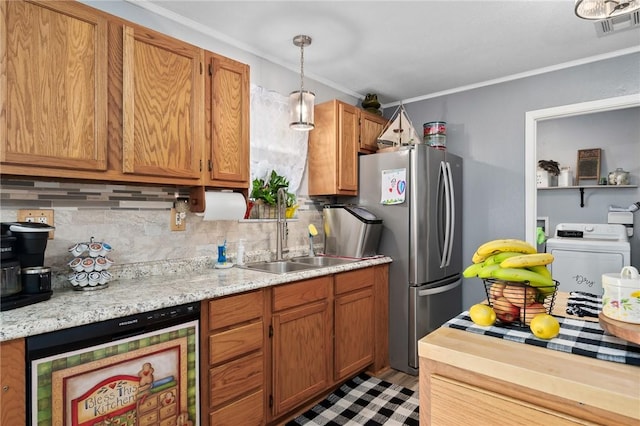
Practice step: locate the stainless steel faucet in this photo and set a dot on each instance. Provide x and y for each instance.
(281, 222)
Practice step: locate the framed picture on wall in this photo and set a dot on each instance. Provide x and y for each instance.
(588, 165)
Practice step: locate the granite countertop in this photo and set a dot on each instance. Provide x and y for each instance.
(68, 308)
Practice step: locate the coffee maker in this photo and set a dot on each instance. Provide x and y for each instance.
(24, 279)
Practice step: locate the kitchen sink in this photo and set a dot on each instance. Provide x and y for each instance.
(297, 264)
(321, 261)
(279, 266)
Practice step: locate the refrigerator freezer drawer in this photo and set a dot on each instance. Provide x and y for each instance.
(429, 308)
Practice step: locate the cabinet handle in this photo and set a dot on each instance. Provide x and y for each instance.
(5, 388)
(210, 165)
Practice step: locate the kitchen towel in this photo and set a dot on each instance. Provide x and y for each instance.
(576, 336)
(222, 205)
(584, 304)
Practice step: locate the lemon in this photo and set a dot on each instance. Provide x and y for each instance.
(482, 314)
(635, 293)
(544, 326)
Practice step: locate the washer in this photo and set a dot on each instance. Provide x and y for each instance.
(584, 251)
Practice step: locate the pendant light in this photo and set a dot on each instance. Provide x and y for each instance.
(301, 102)
(605, 9)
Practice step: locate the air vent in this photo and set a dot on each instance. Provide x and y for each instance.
(618, 23)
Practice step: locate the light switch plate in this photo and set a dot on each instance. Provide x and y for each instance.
(178, 220)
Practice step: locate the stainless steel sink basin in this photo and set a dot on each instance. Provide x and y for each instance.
(321, 261)
(279, 267)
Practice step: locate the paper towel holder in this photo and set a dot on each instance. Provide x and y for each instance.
(196, 199)
(197, 203)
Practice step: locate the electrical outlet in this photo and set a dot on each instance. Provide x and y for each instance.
(178, 220)
(39, 216)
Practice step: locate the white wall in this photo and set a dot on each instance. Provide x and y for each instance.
(617, 134)
(486, 127)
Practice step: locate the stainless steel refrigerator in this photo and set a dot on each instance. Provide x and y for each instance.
(416, 191)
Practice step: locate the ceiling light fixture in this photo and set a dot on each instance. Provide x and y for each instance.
(301, 102)
(605, 9)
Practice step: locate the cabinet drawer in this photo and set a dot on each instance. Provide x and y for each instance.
(235, 342)
(446, 395)
(300, 293)
(232, 379)
(235, 309)
(247, 411)
(353, 280)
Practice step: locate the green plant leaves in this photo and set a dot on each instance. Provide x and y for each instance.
(268, 191)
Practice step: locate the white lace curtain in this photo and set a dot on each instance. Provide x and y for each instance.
(274, 146)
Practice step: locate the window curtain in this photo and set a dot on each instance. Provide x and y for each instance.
(274, 146)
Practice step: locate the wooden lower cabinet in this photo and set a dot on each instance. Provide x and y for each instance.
(353, 322)
(267, 353)
(301, 342)
(12, 383)
(233, 360)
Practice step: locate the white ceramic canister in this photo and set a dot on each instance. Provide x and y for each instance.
(621, 299)
(566, 177)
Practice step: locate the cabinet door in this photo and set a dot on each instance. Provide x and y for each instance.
(347, 147)
(300, 355)
(53, 86)
(354, 332)
(12, 383)
(371, 127)
(163, 105)
(228, 129)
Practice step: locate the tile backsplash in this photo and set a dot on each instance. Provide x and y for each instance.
(135, 221)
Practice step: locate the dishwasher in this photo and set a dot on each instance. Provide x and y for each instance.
(140, 369)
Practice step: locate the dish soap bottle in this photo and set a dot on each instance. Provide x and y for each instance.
(240, 253)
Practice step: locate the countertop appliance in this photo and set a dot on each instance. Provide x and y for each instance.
(140, 369)
(23, 263)
(416, 191)
(350, 231)
(584, 251)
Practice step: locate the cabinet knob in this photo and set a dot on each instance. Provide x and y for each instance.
(5, 388)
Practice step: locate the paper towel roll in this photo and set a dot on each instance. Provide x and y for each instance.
(223, 206)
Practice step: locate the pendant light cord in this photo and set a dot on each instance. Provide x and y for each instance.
(301, 68)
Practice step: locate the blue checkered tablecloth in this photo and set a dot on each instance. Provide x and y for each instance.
(576, 336)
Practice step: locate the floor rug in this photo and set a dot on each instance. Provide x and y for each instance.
(364, 400)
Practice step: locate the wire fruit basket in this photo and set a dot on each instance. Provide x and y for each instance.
(516, 303)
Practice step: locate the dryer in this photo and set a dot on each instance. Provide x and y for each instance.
(584, 251)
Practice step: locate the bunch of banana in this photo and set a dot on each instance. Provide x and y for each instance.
(504, 245)
(512, 260)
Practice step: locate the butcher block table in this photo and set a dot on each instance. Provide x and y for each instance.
(470, 378)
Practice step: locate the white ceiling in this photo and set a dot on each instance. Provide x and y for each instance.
(403, 50)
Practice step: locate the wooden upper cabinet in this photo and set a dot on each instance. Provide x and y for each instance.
(371, 126)
(53, 86)
(333, 150)
(227, 129)
(163, 101)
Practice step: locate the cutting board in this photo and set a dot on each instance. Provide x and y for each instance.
(623, 330)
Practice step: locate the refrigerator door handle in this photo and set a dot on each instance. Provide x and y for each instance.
(446, 250)
(452, 211)
(438, 290)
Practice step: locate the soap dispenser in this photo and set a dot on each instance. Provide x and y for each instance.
(240, 253)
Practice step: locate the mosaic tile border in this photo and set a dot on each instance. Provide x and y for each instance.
(34, 194)
(31, 194)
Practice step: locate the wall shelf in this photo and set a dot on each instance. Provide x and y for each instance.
(583, 187)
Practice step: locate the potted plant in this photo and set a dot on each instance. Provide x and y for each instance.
(265, 194)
